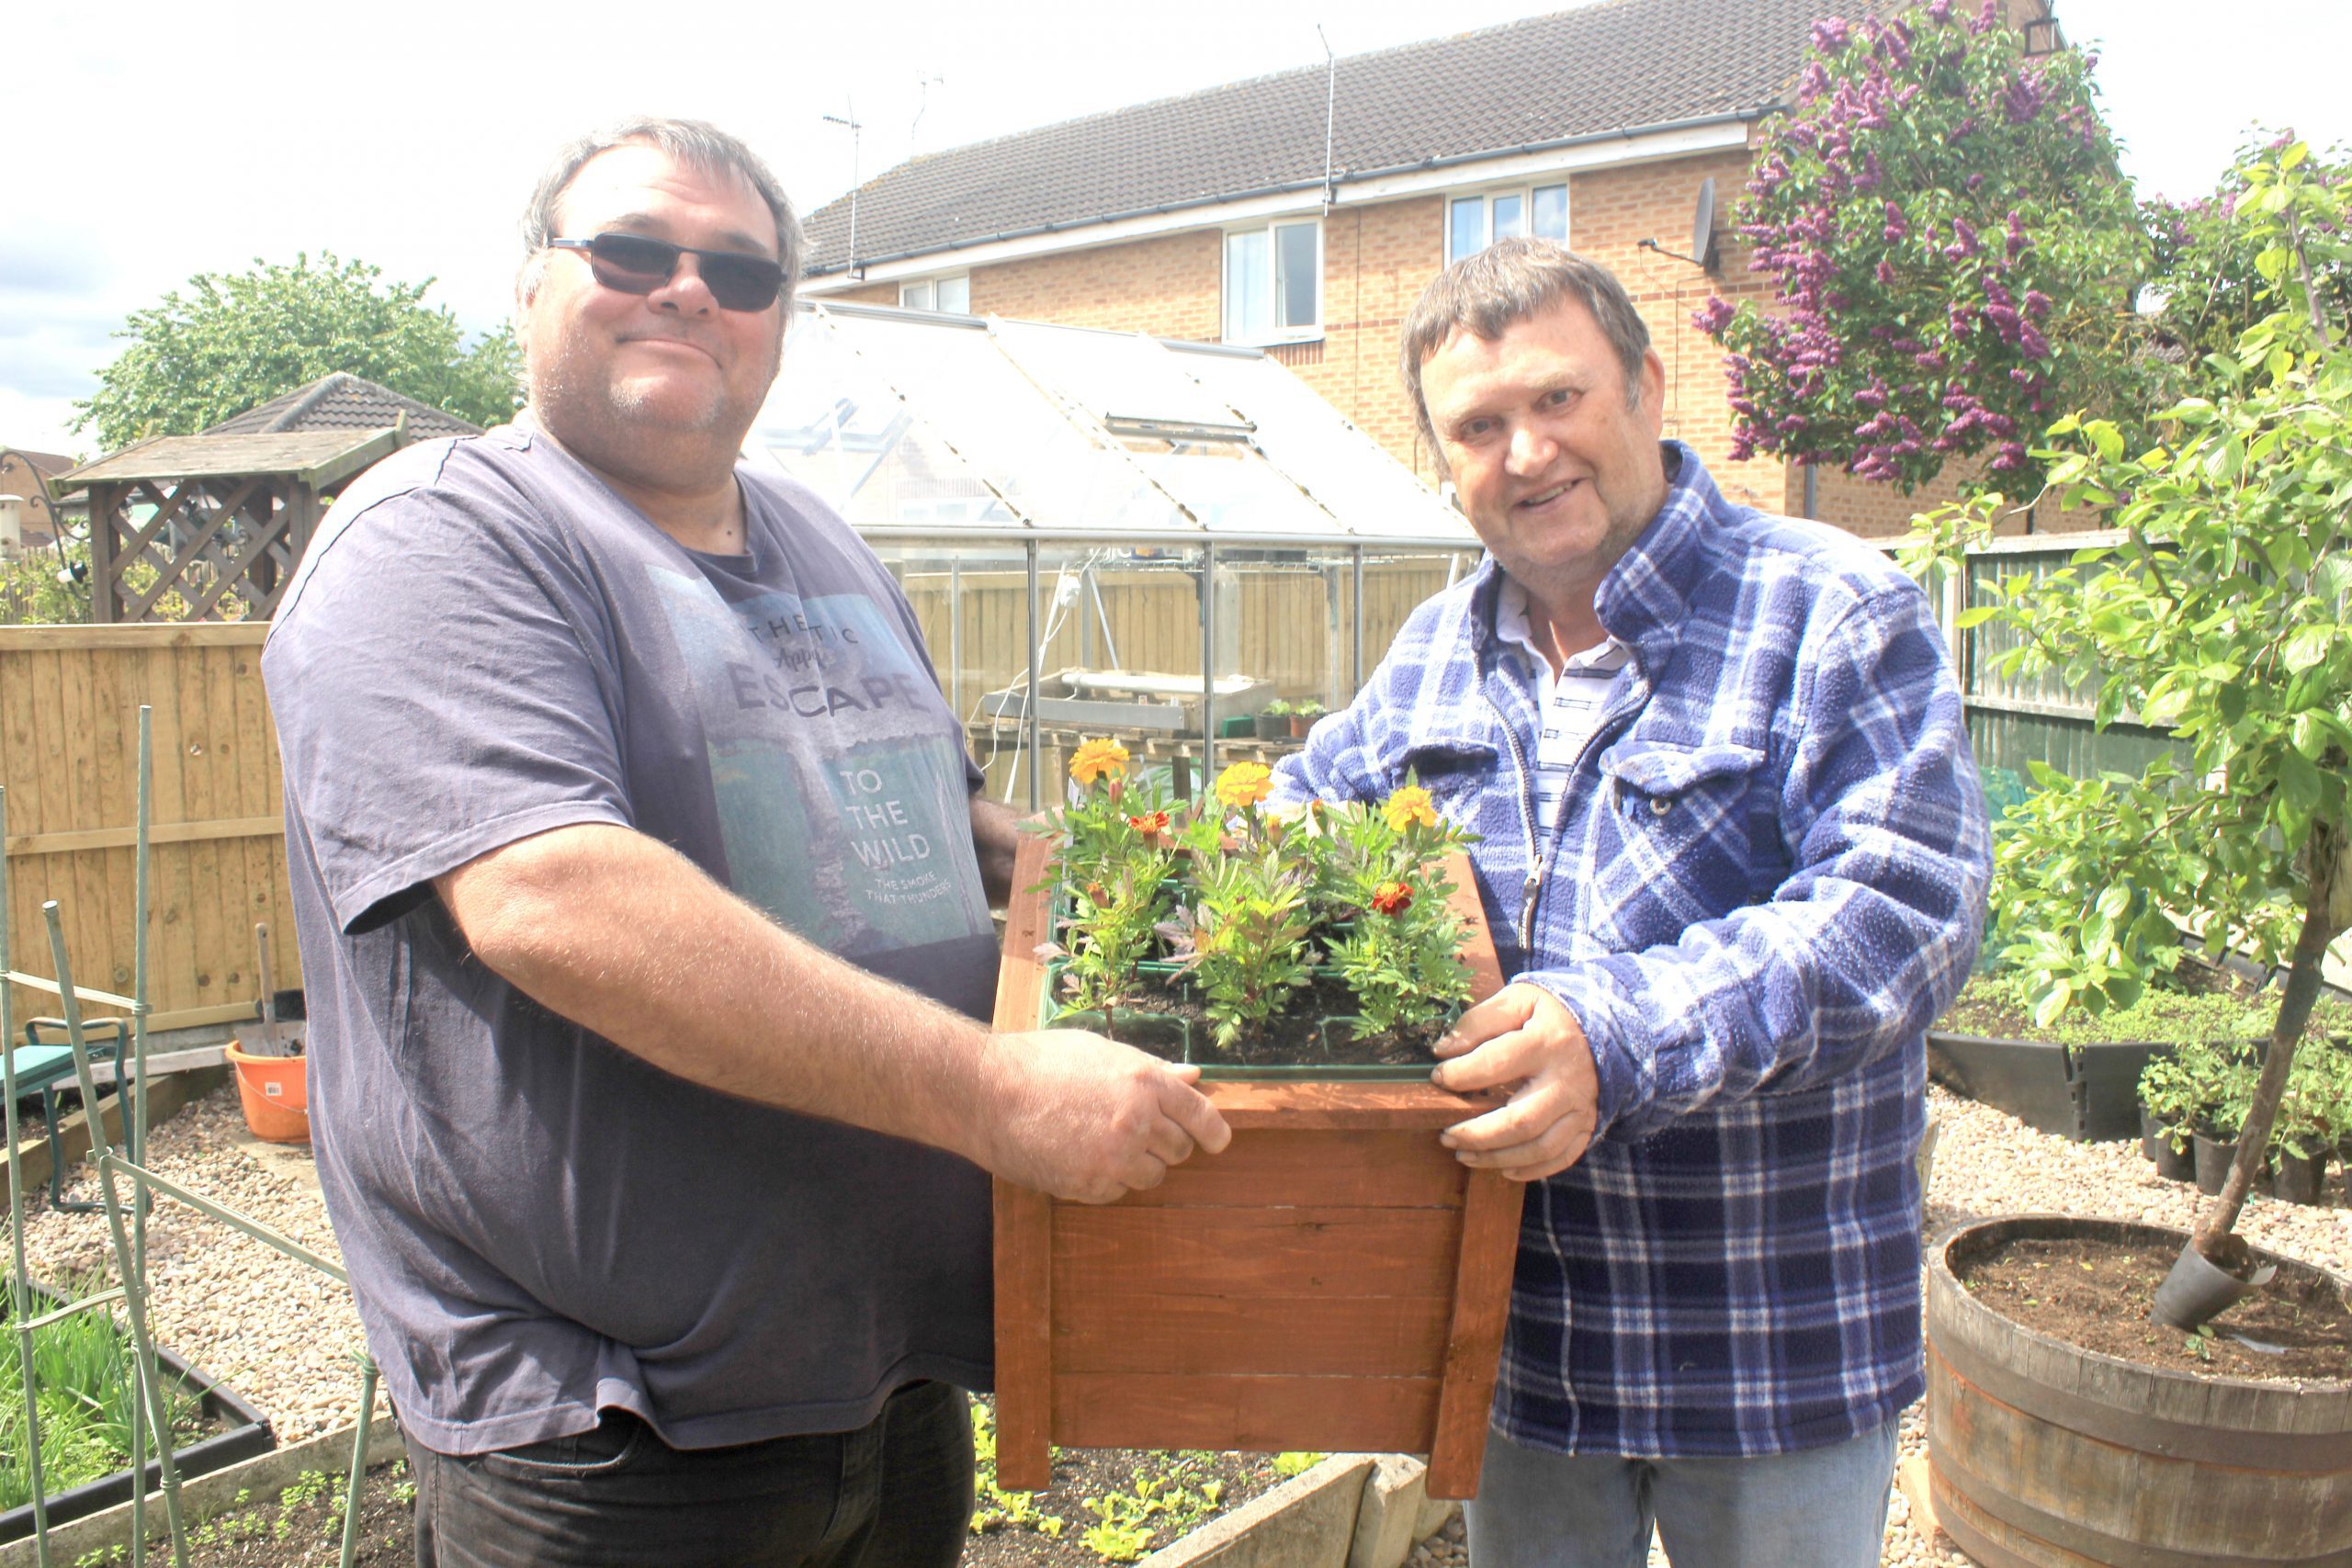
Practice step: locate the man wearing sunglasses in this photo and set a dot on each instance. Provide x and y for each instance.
(643, 896)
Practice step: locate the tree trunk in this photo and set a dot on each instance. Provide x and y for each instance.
(2325, 916)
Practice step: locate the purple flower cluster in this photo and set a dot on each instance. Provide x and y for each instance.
(1920, 215)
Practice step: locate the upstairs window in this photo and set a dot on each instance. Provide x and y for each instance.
(953, 295)
(1273, 283)
(1474, 222)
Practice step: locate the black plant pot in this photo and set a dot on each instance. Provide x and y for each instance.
(2174, 1164)
(1272, 726)
(2301, 1177)
(2152, 1134)
(2213, 1157)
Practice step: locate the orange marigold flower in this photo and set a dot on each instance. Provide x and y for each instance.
(1245, 784)
(1098, 759)
(1408, 805)
(1151, 824)
(1391, 898)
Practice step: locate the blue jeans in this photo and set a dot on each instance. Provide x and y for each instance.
(1817, 1509)
(894, 1494)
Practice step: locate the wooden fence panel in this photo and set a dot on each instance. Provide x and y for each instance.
(68, 747)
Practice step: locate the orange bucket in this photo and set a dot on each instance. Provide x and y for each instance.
(277, 1106)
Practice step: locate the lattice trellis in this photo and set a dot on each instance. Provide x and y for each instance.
(226, 518)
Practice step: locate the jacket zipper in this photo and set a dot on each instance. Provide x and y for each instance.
(1539, 859)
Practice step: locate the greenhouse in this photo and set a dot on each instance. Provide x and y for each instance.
(1110, 533)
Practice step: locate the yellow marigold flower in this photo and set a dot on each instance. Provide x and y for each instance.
(1245, 784)
(1098, 759)
(1408, 805)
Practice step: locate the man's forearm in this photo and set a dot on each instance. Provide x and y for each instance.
(996, 833)
(624, 936)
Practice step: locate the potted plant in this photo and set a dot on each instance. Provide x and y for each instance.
(1335, 1280)
(1303, 716)
(2171, 1099)
(2211, 606)
(1274, 720)
(2311, 1119)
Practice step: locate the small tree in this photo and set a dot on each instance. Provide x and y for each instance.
(2218, 609)
(1954, 249)
(235, 341)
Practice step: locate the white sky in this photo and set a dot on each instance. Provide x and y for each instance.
(148, 141)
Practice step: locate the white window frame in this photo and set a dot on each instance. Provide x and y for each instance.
(922, 293)
(1487, 198)
(1235, 332)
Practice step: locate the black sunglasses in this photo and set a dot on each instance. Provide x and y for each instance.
(633, 264)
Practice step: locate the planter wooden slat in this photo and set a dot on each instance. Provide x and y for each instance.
(1334, 1279)
(2046, 1454)
(1369, 1337)
(1297, 1252)
(1324, 1168)
(1267, 1413)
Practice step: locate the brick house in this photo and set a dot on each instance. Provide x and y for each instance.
(1218, 215)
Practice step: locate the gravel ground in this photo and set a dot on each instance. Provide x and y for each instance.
(284, 1335)
(275, 1330)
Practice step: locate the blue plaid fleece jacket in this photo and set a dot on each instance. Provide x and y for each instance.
(1767, 880)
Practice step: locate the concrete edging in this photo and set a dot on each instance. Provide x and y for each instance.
(209, 1495)
(1351, 1511)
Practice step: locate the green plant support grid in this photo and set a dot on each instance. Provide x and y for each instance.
(129, 1235)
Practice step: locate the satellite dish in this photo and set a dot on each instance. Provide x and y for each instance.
(1702, 233)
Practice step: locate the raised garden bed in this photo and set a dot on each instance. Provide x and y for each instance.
(236, 1431)
(2080, 1079)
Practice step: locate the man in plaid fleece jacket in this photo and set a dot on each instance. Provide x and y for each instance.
(1734, 854)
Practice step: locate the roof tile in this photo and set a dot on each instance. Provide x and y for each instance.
(1616, 65)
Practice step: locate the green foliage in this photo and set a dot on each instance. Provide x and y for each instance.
(2316, 1113)
(39, 590)
(2213, 291)
(1165, 1496)
(1401, 954)
(1289, 1465)
(1278, 708)
(998, 1508)
(2218, 611)
(236, 340)
(83, 1390)
(1245, 937)
(1954, 250)
(2003, 1005)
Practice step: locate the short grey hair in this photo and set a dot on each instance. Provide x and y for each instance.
(1509, 282)
(694, 143)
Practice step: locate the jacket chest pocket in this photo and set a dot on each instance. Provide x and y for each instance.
(1688, 824)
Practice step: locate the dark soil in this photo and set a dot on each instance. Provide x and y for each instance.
(2095, 1294)
(304, 1525)
(1312, 1032)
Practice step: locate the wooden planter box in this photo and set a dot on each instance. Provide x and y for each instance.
(1335, 1280)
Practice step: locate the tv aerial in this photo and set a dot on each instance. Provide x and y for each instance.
(1705, 254)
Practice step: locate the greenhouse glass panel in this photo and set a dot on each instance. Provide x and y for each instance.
(1050, 471)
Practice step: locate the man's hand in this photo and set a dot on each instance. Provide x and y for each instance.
(1087, 1119)
(1524, 1040)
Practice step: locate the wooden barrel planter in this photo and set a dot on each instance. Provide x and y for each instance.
(1335, 1280)
(2041, 1455)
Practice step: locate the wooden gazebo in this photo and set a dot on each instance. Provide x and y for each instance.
(232, 515)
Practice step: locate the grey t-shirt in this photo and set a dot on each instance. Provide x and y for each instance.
(485, 642)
